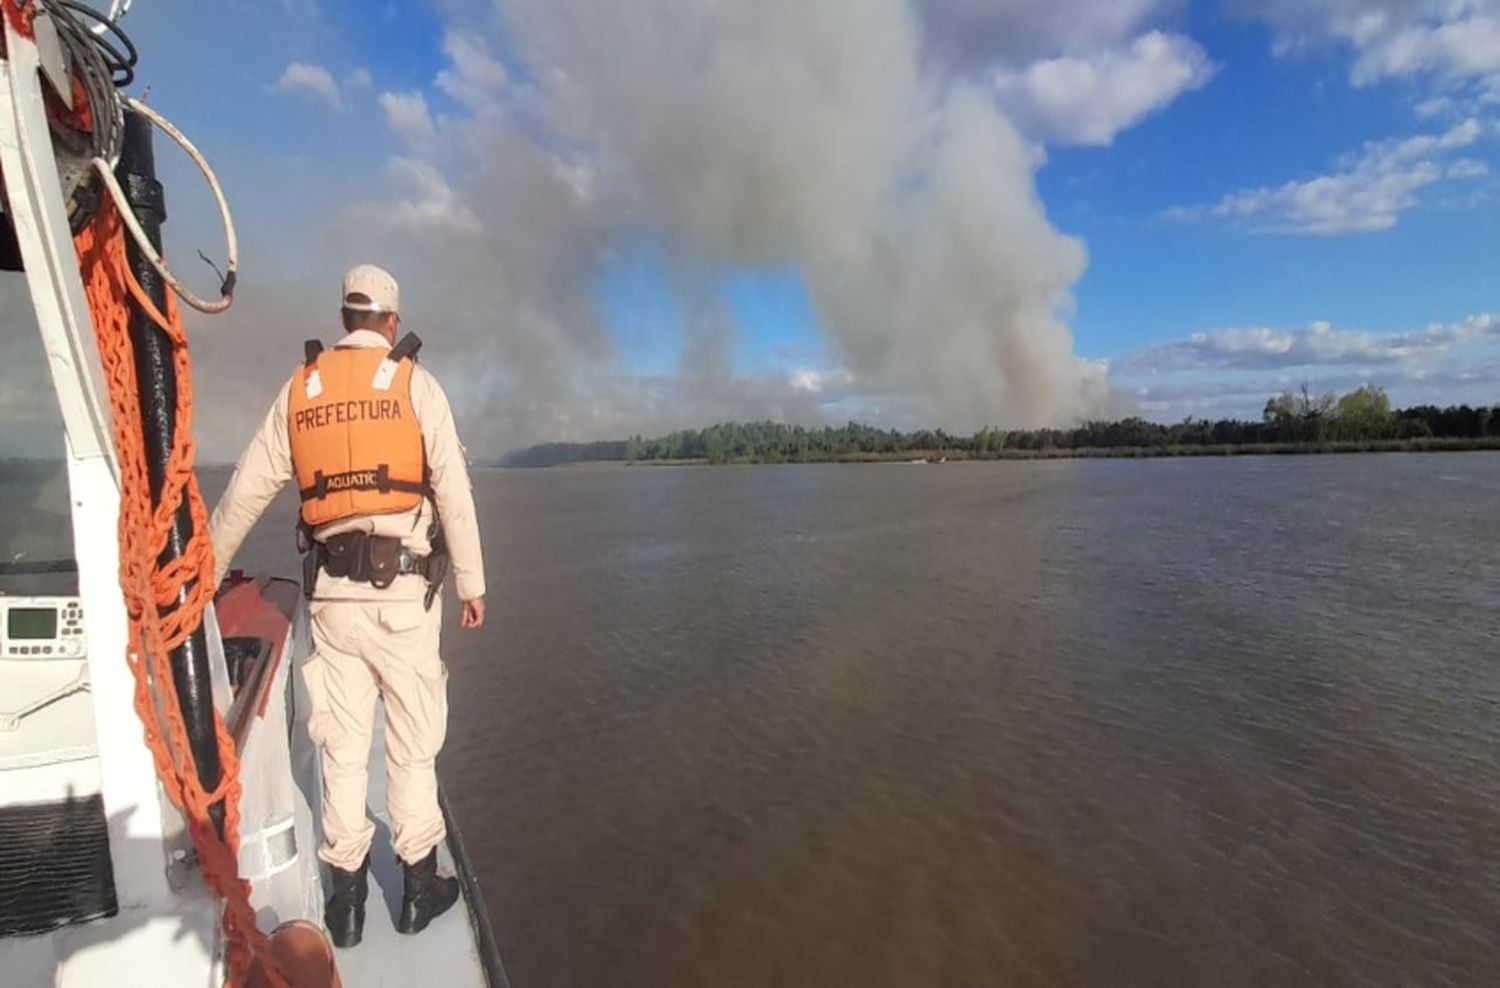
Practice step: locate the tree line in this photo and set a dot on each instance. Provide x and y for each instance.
(1363, 416)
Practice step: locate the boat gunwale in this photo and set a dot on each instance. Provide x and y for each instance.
(479, 917)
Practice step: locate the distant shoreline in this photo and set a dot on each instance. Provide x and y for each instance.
(940, 457)
(13, 466)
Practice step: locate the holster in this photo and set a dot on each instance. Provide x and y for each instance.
(310, 563)
(437, 572)
(437, 564)
(307, 547)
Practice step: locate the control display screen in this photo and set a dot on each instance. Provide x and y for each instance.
(31, 623)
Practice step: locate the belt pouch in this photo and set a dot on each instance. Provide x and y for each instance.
(384, 557)
(345, 555)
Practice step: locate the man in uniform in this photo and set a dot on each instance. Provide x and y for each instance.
(369, 437)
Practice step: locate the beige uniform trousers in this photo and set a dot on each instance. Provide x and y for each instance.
(364, 650)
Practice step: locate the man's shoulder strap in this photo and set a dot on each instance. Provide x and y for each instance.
(406, 347)
(307, 374)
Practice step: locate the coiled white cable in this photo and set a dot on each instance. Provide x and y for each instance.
(107, 176)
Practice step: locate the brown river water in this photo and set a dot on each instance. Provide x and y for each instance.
(1106, 723)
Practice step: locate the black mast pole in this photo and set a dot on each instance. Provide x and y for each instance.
(157, 379)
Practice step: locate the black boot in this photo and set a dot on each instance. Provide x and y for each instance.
(428, 895)
(344, 915)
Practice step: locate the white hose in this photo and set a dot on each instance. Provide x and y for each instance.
(117, 10)
(107, 176)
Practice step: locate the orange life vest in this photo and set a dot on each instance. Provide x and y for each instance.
(356, 444)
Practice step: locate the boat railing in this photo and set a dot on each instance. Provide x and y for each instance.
(262, 627)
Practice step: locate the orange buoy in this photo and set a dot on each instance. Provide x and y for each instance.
(304, 955)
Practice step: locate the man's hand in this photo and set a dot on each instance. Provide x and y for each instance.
(473, 613)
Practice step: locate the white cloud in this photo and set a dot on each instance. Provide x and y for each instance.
(474, 78)
(1437, 106)
(1067, 71)
(1460, 136)
(1452, 48)
(1233, 371)
(810, 381)
(359, 80)
(1089, 99)
(406, 113)
(1320, 343)
(1468, 168)
(430, 206)
(1447, 43)
(314, 80)
(819, 382)
(1366, 195)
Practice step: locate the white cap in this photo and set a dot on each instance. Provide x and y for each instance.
(374, 283)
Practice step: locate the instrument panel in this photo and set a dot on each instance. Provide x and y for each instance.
(41, 628)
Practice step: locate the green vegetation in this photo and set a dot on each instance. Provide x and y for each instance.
(1361, 421)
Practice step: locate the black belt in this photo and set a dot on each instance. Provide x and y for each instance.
(366, 558)
(373, 559)
(410, 562)
(406, 562)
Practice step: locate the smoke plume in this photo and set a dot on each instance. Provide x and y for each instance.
(857, 143)
(781, 134)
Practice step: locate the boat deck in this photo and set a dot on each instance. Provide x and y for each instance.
(446, 953)
(457, 949)
(176, 929)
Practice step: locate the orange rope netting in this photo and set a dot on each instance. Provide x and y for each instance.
(166, 603)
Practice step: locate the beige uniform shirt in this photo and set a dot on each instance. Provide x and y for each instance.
(266, 467)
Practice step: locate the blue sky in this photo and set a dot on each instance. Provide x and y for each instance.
(1263, 120)
(619, 218)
